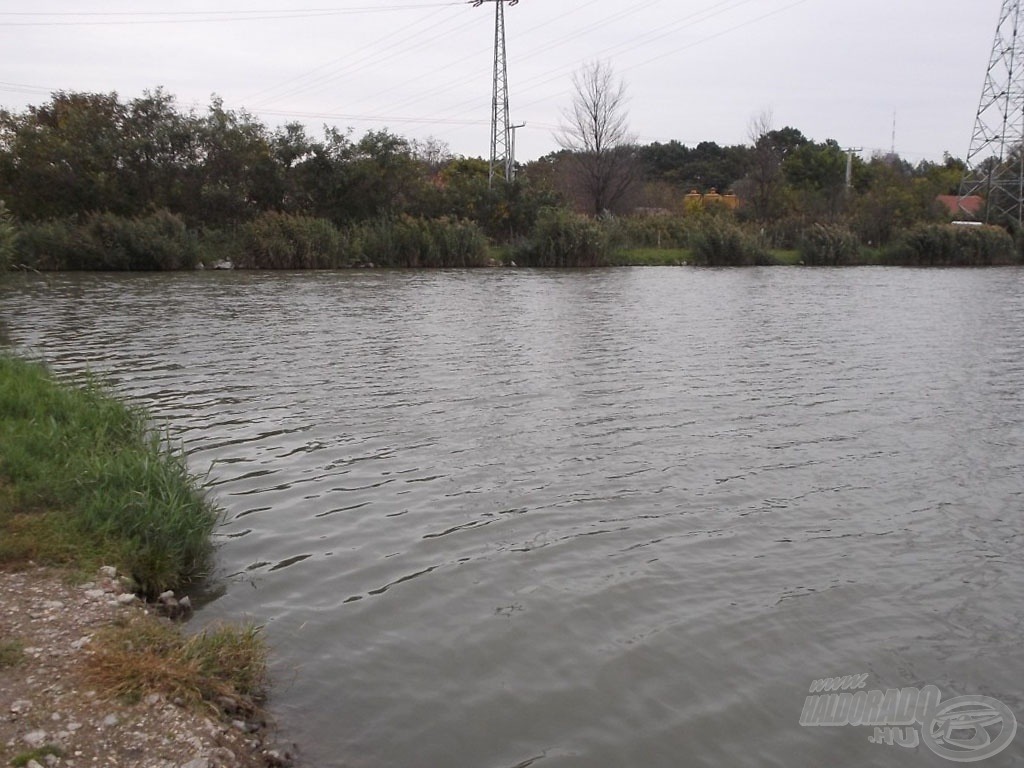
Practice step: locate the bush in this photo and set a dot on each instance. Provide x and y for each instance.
(649, 231)
(406, 241)
(722, 243)
(156, 242)
(282, 241)
(8, 238)
(947, 245)
(828, 245)
(785, 232)
(47, 245)
(562, 239)
(216, 244)
(104, 241)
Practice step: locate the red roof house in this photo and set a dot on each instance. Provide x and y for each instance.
(961, 207)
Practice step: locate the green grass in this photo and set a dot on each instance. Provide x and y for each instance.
(84, 481)
(651, 257)
(39, 755)
(784, 257)
(11, 653)
(871, 256)
(791, 258)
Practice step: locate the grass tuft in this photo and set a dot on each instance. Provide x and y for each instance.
(143, 655)
(12, 652)
(22, 759)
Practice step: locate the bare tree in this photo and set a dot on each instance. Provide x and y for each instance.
(764, 183)
(594, 130)
(765, 167)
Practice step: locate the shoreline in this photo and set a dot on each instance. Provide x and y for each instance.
(100, 525)
(53, 713)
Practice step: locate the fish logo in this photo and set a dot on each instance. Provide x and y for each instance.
(969, 728)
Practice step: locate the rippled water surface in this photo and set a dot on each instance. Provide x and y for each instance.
(612, 518)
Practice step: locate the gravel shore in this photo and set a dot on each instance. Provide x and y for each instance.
(50, 717)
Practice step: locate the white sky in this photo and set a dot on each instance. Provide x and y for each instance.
(696, 70)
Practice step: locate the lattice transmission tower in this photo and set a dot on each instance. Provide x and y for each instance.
(995, 161)
(501, 128)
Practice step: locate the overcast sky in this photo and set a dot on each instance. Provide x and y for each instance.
(696, 70)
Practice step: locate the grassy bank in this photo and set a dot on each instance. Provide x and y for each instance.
(674, 257)
(85, 482)
(651, 257)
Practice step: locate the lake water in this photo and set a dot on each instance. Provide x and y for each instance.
(600, 518)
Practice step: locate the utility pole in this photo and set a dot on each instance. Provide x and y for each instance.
(510, 173)
(849, 165)
(501, 130)
(995, 161)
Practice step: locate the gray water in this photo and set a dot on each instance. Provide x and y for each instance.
(613, 518)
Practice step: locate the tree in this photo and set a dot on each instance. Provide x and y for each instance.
(817, 173)
(763, 185)
(595, 132)
(704, 167)
(64, 157)
(238, 177)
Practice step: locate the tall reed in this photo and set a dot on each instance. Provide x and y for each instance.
(948, 245)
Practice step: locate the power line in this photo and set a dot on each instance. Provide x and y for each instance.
(995, 164)
(377, 56)
(540, 49)
(635, 42)
(211, 17)
(500, 123)
(224, 13)
(433, 73)
(639, 41)
(382, 119)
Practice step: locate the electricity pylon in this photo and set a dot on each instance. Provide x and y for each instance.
(501, 130)
(995, 162)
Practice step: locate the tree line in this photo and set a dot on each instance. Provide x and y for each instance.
(89, 171)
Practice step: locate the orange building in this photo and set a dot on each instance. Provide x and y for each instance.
(694, 200)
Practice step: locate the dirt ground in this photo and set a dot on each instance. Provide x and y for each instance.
(49, 716)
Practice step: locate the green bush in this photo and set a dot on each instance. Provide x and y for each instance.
(47, 245)
(282, 241)
(8, 238)
(720, 242)
(406, 241)
(216, 244)
(156, 242)
(948, 245)
(103, 241)
(562, 239)
(828, 245)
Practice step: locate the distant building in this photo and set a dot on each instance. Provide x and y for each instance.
(696, 200)
(959, 207)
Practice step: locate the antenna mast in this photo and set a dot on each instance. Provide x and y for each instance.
(995, 162)
(501, 130)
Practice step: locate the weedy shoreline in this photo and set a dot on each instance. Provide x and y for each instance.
(97, 517)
